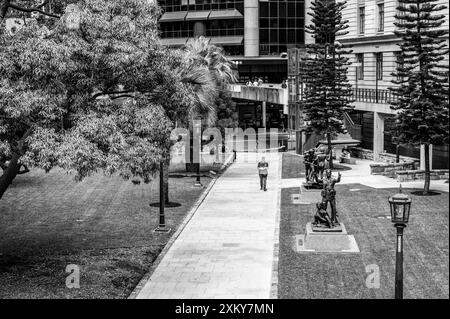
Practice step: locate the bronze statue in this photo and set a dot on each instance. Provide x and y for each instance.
(329, 194)
(319, 164)
(308, 158)
(322, 219)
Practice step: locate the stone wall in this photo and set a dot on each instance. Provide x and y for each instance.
(363, 153)
(391, 169)
(412, 175)
(390, 158)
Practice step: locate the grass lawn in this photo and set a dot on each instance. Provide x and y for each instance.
(103, 225)
(363, 209)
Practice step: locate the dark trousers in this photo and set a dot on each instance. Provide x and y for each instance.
(332, 202)
(263, 180)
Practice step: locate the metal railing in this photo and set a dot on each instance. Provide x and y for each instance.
(355, 130)
(373, 95)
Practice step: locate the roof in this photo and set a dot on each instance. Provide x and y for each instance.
(173, 16)
(174, 41)
(197, 15)
(231, 40)
(225, 14)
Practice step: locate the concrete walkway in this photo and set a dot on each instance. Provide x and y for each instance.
(227, 248)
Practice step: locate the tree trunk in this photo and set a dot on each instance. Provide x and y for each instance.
(166, 180)
(330, 152)
(426, 188)
(9, 174)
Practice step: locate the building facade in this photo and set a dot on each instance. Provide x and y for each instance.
(256, 34)
(374, 60)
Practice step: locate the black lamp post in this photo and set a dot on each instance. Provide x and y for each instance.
(400, 206)
(162, 220)
(197, 143)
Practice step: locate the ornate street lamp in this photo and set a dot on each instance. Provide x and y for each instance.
(400, 206)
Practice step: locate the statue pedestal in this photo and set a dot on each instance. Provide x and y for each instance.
(329, 240)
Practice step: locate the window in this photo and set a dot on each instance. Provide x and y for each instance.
(380, 17)
(281, 24)
(379, 65)
(361, 19)
(360, 66)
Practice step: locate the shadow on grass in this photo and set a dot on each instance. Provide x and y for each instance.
(168, 205)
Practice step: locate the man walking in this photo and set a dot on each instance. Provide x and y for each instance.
(262, 170)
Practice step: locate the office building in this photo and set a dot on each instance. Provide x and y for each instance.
(255, 34)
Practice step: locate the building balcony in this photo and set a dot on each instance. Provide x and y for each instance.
(270, 93)
(373, 95)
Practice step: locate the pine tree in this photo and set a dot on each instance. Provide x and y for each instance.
(422, 78)
(327, 94)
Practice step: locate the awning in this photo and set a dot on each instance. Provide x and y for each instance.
(174, 41)
(225, 14)
(197, 15)
(173, 16)
(235, 40)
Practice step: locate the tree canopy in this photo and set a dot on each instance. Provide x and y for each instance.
(421, 77)
(328, 93)
(101, 96)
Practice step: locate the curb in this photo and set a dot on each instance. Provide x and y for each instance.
(190, 214)
(276, 244)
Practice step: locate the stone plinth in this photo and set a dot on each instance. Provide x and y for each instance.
(318, 239)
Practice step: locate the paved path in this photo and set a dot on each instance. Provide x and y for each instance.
(227, 248)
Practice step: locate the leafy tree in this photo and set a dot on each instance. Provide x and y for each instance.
(328, 94)
(100, 97)
(422, 85)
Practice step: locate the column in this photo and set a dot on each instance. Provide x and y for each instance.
(378, 135)
(422, 157)
(199, 28)
(264, 111)
(251, 28)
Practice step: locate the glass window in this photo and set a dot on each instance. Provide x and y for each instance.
(273, 36)
(360, 66)
(361, 19)
(282, 10)
(263, 23)
(264, 35)
(300, 36)
(263, 9)
(274, 9)
(291, 36)
(291, 23)
(273, 23)
(379, 65)
(291, 9)
(380, 16)
(300, 9)
(282, 37)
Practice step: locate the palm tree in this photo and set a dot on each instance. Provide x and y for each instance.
(201, 53)
(203, 70)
